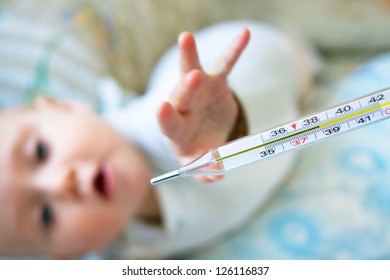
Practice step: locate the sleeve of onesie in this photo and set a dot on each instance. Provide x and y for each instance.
(266, 81)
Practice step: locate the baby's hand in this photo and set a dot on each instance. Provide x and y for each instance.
(202, 110)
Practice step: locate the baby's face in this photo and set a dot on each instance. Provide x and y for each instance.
(69, 183)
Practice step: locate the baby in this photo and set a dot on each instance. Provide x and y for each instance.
(74, 182)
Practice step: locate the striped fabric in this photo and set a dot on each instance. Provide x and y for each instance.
(37, 58)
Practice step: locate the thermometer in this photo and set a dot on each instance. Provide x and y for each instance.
(307, 130)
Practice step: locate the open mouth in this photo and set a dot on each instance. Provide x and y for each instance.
(100, 184)
(103, 182)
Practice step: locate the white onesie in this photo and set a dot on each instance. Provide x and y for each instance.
(266, 80)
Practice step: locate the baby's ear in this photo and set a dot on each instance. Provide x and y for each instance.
(49, 102)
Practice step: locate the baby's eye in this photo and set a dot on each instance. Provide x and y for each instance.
(47, 216)
(41, 151)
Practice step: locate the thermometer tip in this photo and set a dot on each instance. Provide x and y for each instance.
(165, 177)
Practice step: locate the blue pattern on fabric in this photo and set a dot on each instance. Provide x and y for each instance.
(337, 203)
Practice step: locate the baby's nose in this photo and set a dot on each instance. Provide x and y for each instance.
(67, 185)
(75, 181)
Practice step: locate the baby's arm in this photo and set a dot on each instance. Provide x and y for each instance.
(202, 112)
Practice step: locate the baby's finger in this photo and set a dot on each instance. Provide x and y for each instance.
(183, 95)
(209, 178)
(170, 121)
(189, 58)
(227, 60)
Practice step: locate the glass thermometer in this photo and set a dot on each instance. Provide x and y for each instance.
(307, 130)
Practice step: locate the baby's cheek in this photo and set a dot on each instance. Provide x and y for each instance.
(90, 229)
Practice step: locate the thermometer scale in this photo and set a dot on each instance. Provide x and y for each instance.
(307, 130)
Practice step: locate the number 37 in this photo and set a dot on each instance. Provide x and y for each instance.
(299, 141)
